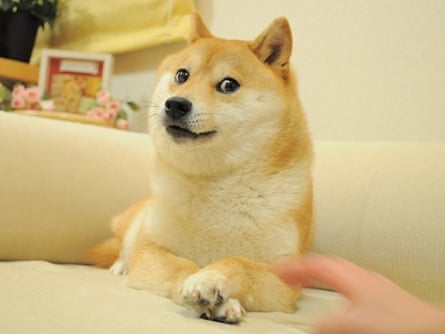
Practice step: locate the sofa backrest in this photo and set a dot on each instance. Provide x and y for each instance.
(382, 205)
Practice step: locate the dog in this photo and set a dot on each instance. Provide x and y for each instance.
(231, 186)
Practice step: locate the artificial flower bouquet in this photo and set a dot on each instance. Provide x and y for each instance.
(104, 108)
(109, 109)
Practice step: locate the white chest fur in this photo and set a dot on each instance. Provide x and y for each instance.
(205, 220)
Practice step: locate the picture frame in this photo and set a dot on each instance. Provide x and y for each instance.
(72, 79)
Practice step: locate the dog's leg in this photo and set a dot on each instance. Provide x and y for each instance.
(156, 269)
(222, 290)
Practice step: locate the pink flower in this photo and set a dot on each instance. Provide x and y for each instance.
(32, 94)
(47, 105)
(18, 102)
(103, 97)
(110, 115)
(113, 106)
(99, 113)
(122, 124)
(19, 91)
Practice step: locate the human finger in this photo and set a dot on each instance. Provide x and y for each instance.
(336, 273)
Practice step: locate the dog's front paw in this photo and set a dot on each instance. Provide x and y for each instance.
(119, 267)
(208, 292)
(230, 312)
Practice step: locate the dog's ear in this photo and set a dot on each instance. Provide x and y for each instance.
(274, 46)
(197, 28)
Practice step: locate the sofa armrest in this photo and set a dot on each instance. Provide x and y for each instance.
(62, 183)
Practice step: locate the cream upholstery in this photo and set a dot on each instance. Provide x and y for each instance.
(65, 181)
(382, 205)
(378, 204)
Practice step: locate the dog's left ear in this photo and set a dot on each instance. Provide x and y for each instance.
(274, 46)
(197, 28)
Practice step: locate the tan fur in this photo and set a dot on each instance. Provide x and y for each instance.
(227, 203)
(303, 216)
(107, 252)
(121, 223)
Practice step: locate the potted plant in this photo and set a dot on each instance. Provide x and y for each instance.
(19, 21)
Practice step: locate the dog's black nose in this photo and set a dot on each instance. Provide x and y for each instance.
(177, 107)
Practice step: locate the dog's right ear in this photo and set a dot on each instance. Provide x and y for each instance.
(197, 28)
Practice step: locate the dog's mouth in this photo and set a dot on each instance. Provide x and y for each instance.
(179, 132)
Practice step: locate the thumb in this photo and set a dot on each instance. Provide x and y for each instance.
(336, 273)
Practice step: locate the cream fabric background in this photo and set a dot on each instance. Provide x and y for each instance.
(368, 70)
(116, 26)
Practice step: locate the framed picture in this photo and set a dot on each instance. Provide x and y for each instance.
(72, 79)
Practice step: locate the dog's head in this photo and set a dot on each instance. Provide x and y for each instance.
(219, 102)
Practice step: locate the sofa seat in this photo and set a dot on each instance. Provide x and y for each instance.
(41, 297)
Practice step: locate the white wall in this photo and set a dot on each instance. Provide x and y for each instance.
(368, 69)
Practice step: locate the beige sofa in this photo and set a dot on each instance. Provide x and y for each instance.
(381, 205)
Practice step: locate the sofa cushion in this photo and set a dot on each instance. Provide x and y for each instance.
(39, 297)
(61, 185)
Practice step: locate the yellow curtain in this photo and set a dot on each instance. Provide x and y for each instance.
(115, 26)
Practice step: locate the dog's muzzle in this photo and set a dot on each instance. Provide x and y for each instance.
(177, 110)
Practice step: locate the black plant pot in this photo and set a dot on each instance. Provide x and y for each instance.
(17, 35)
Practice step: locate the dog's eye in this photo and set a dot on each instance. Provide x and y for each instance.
(182, 76)
(227, 86)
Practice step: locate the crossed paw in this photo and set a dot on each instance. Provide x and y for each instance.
(207, 292)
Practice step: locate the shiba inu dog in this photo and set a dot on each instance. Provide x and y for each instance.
(231, 179)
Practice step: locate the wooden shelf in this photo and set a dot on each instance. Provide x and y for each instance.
(18, 71)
